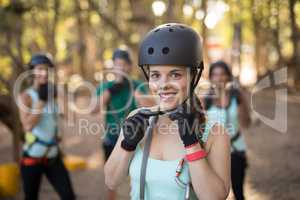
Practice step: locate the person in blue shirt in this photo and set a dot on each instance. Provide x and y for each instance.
(187, 159)
(227, 105)
(38, 114)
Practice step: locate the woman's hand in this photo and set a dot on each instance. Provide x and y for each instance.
(189, 124)
(118, 86)
(134, 129)
(243, 107)
(46, 89)
(117, 166)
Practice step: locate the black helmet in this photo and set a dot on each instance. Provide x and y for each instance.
(121, 54)
(172, 44)
(40, 59)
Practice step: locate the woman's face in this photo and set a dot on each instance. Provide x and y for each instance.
(121, 67)
(219, 77)
(170, 84)
(41, 73)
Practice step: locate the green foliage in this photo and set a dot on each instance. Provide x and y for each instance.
(85, 30)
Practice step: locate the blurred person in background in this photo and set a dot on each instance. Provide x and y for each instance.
(118, 98)
(227, 104)
(39, 116)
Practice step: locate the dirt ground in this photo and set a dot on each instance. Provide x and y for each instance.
(273, 157)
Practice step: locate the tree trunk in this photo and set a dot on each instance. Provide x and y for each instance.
(141, 19)
(18, 132)
(260, 42)
(295, 37)
(81, 53)
(171, 17)
(14, 49)
(206, 58)
(52, 44)
(276, 32)
(236, 47)
(10, 118)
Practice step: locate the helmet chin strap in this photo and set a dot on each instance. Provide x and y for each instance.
(169, 111)
(196, 78)
(193, 84)
(145, 73)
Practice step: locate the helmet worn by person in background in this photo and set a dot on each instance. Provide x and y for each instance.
(40, 58)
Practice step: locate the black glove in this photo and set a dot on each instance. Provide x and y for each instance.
(189, 124)
(45, 90)
(234, 90)
(116, 87)
(134, 129)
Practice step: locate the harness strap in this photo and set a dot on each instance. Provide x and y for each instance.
(233, 139)
(28, 161)
(146, 151)
(48, 144)
(34, 140)
(31, 139)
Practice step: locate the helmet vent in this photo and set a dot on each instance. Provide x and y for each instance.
(157, 30)
(181, 27)
(165, 50)
(150, 50)
(171, 30)
(168, 25)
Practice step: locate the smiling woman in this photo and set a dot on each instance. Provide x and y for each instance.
(170, 83)
(187, 159)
